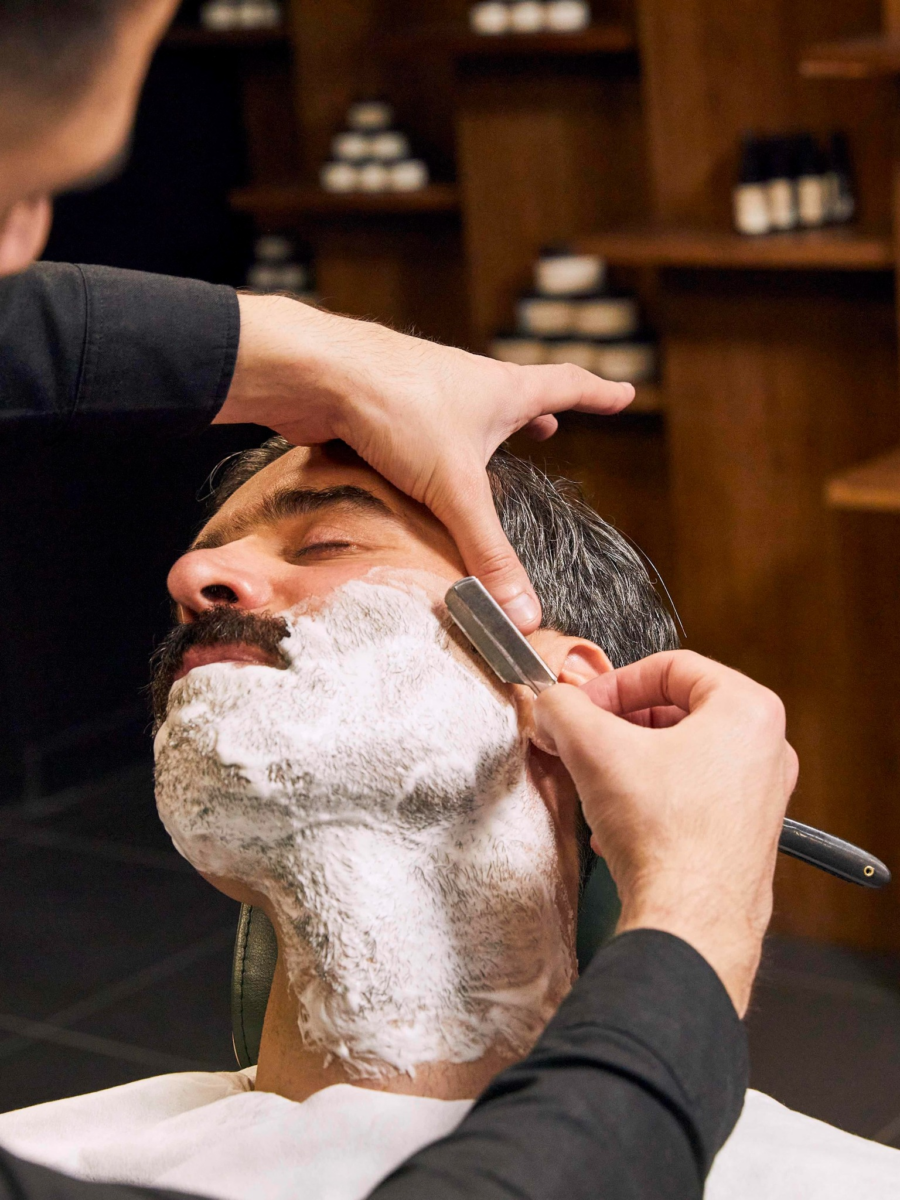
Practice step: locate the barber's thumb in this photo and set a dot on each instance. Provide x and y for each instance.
(475, 527)
(585, 737)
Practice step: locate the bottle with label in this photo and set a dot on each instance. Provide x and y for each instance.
(750, 200)
(781, 188)
(841, 195)
(813, 190)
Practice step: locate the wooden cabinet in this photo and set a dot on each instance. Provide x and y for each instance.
(779, 354)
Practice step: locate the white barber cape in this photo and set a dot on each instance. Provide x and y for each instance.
(211, 1134)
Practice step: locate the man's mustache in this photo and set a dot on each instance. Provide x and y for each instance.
(222, 624)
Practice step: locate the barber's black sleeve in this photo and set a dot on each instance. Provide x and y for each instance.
(79, 342)
(629, 1094)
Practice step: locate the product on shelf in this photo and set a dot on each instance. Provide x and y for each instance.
(223, 15)
(276, 268)
(491, 17)
(559, 271)
(370, 155)
(570, 318)
(791, 182)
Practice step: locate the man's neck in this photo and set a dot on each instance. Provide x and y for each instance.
(288, 1068)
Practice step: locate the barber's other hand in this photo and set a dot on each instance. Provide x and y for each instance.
(684, 773)
(427, 417)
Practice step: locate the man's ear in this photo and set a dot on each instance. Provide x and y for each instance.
(572, 660)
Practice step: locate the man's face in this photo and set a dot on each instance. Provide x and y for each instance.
(49, 149)
(312, 521)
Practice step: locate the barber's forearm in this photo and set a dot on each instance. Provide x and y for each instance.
(630, 1093)
(77, 343)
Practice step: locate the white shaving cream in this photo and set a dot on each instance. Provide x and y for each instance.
(376, 792)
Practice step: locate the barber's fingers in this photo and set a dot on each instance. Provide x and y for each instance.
(587, 738)
(680, 678)
(662, 717)
(553, 389)
(465, 505)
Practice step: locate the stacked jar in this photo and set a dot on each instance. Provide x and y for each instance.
(572, 317)
(222, 15)
(277, 267)
(371, 155)
(492, 17)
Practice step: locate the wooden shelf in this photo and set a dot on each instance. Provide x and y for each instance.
(292, 200)
(856, 58)
(648, 398)
(225, 39)
(874, 486)
(843, 248)
(461, 42)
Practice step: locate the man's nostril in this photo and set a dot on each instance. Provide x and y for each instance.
(219, 593)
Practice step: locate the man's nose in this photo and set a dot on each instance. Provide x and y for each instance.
(228, 574)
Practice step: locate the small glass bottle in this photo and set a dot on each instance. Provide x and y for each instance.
(813, 189)
(750, 200)
(781, 188)
(842, 197)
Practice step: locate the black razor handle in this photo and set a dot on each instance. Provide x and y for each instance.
(832, 854)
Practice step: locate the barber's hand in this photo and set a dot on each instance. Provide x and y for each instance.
(684, 774)
(427, 417)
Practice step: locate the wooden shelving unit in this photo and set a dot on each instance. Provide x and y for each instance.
(778, 354)
(648, 398)
(612, 38)
(841, 248)
(856, 58)
(872, 487)
(277, 201)
(226, 39)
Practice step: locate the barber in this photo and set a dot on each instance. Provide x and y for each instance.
(681, 764)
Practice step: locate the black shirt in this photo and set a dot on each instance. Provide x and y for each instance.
(640, 1077)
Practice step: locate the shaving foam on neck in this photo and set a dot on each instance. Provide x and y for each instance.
(376, 793)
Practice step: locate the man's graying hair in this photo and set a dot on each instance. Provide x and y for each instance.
(590, 581)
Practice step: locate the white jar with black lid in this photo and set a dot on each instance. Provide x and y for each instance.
(545, 316)
(561, 271)
(606, 316)
(520, 349)
(370, 115)
(629, 360)
(580, 352)
(567, 16)
(491, 17)
(339, 176)
(526, 16)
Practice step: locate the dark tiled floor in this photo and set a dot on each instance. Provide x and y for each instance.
(115, 959)
(115, 963)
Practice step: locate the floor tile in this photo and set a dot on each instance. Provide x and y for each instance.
(75, 923)
(50, 1072)
(187, 1014)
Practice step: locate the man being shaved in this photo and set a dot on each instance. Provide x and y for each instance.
(330, 750)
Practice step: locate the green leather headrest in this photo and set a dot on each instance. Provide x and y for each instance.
(256, 952)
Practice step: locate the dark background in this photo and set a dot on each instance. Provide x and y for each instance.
(91, 522)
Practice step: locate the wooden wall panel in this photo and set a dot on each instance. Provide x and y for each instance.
(712, 71)
(546, 151)
(410, 276)
(773, 382)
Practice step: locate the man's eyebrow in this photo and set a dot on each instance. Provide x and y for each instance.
(292, 502)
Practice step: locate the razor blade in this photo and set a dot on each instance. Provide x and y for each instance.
(514, 660)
